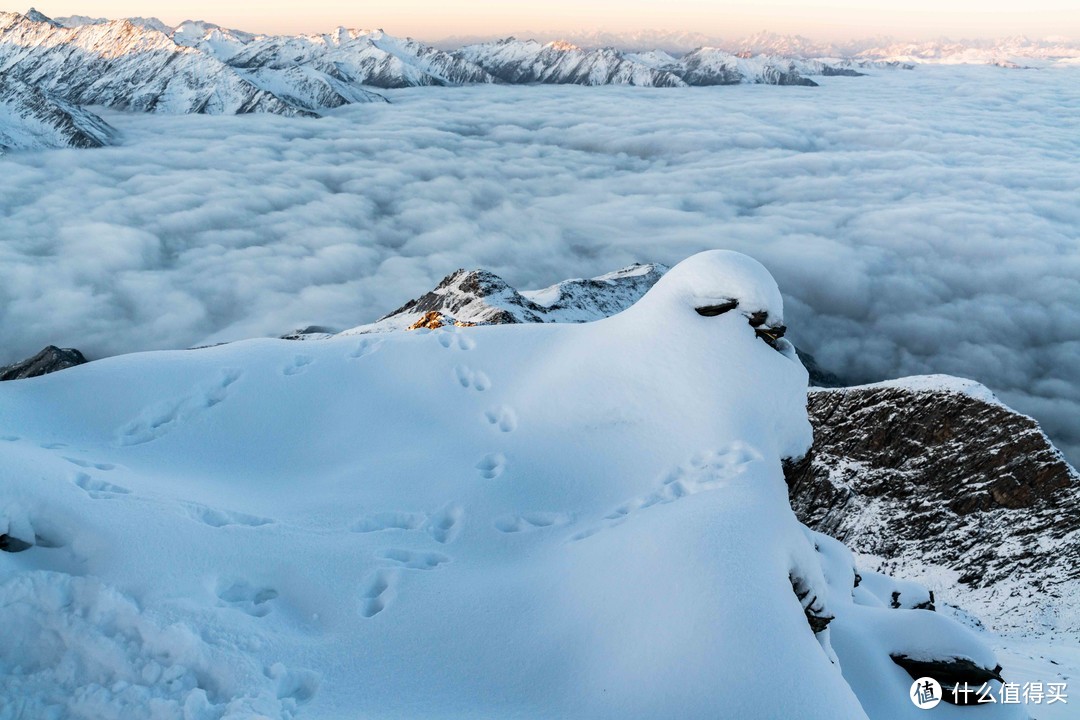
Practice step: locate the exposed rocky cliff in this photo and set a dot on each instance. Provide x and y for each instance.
(47, 361)
(32, 119)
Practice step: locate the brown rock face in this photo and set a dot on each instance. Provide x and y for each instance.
(434, 319)
(942, 477)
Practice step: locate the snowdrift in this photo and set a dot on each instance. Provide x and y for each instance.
(535, 521)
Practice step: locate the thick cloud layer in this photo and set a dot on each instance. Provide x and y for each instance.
(922, 221)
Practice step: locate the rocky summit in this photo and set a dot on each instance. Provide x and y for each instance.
(47, 361)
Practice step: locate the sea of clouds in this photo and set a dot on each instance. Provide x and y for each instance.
(918, 221)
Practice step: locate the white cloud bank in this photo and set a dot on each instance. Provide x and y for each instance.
(918, 222)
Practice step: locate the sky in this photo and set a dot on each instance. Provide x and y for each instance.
(434, 20)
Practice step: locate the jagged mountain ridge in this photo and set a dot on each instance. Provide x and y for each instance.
(527, 61)
(144, 65)
(482, 297)
(871, 51)
(51, 359)
(29, 119)
(120, 65)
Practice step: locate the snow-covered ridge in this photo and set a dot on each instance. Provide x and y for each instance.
(528, 520)
(937, 384)
(483, 298)
(30, 119)
(862, 52)
(120, 65)
(144, 65)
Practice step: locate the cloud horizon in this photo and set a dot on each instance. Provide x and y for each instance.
(917, 222)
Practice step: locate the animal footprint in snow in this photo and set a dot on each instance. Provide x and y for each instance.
(78, 462)
(503, 418)
(298, 365)
(530, 521)
(414, 560)
(441, 526)
(364, 348)
(165, 417)
(247, 598)
(474, 379)
(98, 489)
(450, 339)
(491, 465)
(705, 471)
(224, 518)
(444, 525)
(377, 592)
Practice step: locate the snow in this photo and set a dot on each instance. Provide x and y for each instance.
(522, 520)
(933, 383)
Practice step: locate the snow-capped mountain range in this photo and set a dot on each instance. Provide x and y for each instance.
(978, 51)
(144, 65)
(32, 118)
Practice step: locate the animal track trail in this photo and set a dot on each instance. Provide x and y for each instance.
(413, 560)
(161, 419)
(502, 417)
(98, 489)
(224, 518)
(706, 471)
(491, 465)
(298, 365)
(378, 591)
(442, 526)
(528, 522)
(472, 379)
(381, 586)
(377, 522)
(247, 598)
(86, 464)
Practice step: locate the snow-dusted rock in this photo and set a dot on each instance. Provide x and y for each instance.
(481, 297)
(528, 61)
(124, 66)
(938, 479)
(49, 360)
(711, 66)
(31, 119)
(360, 57)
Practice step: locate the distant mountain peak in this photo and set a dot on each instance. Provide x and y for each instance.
(36, 16)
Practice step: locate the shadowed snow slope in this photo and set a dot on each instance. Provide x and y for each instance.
(532, 521)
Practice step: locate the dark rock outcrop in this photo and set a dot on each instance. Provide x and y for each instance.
(47, 361)
(483, 295)
(946, 477)
(960, 678)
